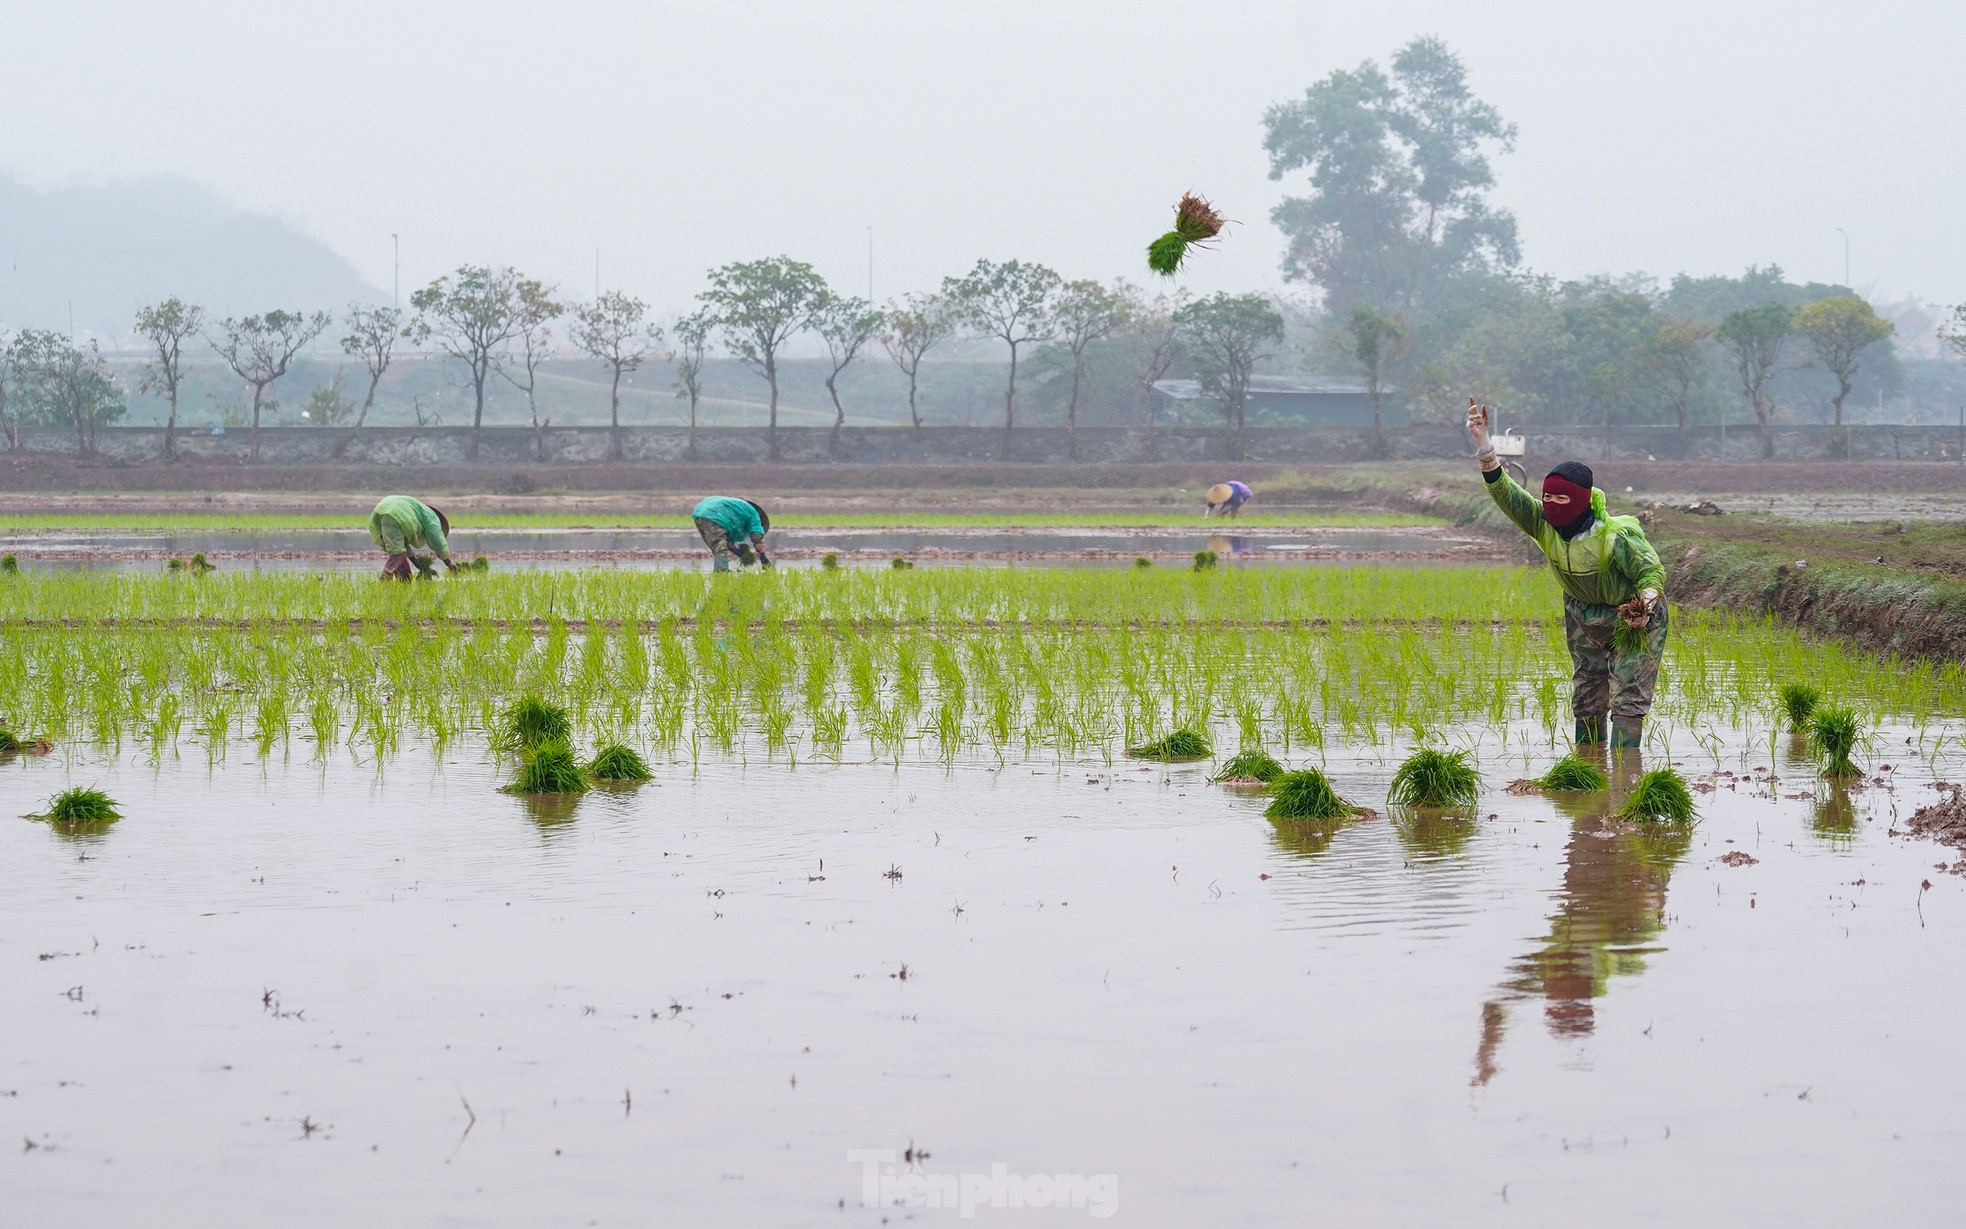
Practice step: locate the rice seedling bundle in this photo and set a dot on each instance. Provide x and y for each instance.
(1250, 766)
(531, 722)
(549, 768)
(1143, 562)
(1195, 223)
(9, 565)
(1660, 796)
(899, 564)
(1573, 773)
(1205, 560)
(1430, 778)
(1306, 795)
(81, 806)
(1833, 735)
(830, 561)
(616, 762)
(1180, 745)
(201, 565)
(1799, 700)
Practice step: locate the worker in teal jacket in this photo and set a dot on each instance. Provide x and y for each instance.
(729, 525)
(1612, 582)
(400, 525)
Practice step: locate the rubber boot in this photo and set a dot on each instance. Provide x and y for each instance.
(1627, 732)
(720, 563)
(1590, 730)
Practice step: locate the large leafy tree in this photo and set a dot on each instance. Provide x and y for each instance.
(1011, 302)
(759, 305)
(1606, 325)
(259, 349)
(1086, 312)
(916, 325)
(1755, 339)
(846, 325)
(471, 315)
(167, 326)
(371, 338)
(1838, 330)
(1399, 177)
(1226, 335)
(59, 382)
(612, 328)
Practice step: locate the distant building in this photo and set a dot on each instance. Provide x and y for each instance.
(1298, 401)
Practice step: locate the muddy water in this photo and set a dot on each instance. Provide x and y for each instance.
(329, 995)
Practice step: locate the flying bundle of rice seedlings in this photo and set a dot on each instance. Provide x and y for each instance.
(1575, 773)
(1195, 223)
(1306, 795)
(616, 762)
(1255, 765)
(1799, 700)
(1205, 560)
(549, 768)
(830, 561)
(530, 722)
(1833, 734)
(1432, 778)
(1180, 745)
(80, 806)
(1659, 795)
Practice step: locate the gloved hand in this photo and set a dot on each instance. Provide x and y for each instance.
(450, 564)
(764, 558)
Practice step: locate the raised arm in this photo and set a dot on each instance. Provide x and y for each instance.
(1516, 504)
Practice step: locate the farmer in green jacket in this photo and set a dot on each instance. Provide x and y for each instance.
(1612, 583)
(729, 525)
(401, 524)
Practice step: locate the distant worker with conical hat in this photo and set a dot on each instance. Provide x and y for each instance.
(1612, 580)
(729, 525)
(1227, 498)
(400, 525)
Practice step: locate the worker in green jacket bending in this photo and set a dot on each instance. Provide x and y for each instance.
(401, 524)
(729, 525)
(1611, 579)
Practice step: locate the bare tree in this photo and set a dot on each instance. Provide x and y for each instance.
(1011, 302)
(471, 314)
(534, 336)
(1157, 342)
(611, 329)
(371, 337)
(166, 326)
(259, 349)
(914, 327)
(845, 325)
(1085, 312)
(692, 348)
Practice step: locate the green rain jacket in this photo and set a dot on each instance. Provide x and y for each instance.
(1606, 565)
(737, 516)
(413, 522)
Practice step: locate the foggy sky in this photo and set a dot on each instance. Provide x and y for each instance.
(1669, 137)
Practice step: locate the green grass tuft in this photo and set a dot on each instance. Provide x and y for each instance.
(1799, 700)
(615, 762)
(1432, 778)
(1659, 795)
(1306, 795)
(1575, 773)
(1833, 735)
(550, 768)
(1180, 745)
(81, 806)
(530, 721)
(1250, 765)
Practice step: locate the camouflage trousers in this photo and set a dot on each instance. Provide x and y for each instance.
(717, 538)
(1603, 677)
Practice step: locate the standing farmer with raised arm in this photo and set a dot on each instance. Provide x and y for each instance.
(730, 525)
(399, 524)
(1611, 579)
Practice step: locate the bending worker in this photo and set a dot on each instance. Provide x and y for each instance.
(1611, 580)
(400, 524)
(732, 525)
(1226, 497)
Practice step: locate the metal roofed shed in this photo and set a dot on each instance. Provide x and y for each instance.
(1298, 401)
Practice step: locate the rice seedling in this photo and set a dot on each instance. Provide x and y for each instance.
(479, 564)
(1575, 774)
(80, 805)
(1306, 795)
(9, 564)
(200, 565)
(899, 564)
(1430, 778)
(1141, 561)
(1833, 735)
(549, 768)
(1195, 223)
(1256, 765)
(1660, 796)
(830, 561)
(426, 566)
(174, 564)
(1180, 745)
(1799, 701)
(616, 762)
(530, 722)
(1205, 560)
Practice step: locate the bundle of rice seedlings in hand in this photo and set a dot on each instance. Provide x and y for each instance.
(1195, 223)
(1205, 560)
(1833, 734)
(1659, 795)
(1431, 778)
(1573, 772)
(549, 768)
(1255, 765)
(615, 762)
(530, 721)
(426, 566)
(80, 806)
(1799, 700)
(1180, 745)
(1306, 795)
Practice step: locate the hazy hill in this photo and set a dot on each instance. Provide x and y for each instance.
(109, 248)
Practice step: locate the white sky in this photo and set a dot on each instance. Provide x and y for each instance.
(1664, 137)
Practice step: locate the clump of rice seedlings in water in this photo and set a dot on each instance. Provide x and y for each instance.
(616, 762)
(80, 806)
(9, 564)
(1195, 223)
(549, 768)
(1432, 778)
(1799, 701)
(1575, 773)
(899, 564)
(1306, 795)
(1255, 765)
(1180, 745)
(1143, 562)
(479, 564)
(174, 564)
(530, 722)
(830, 561)
(13, 744)
(1659, 796)
(201, 565)
(1833, 734)
(1205, 560)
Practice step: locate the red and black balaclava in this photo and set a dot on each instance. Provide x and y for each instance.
(1572, 478)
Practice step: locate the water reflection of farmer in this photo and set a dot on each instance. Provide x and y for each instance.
(1610, 576)
(400, 525)
(1611, 909)
(1226, 498)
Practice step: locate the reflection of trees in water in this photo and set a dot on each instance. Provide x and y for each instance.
(1833, 817)
(1431, 832)
(1611, 908)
